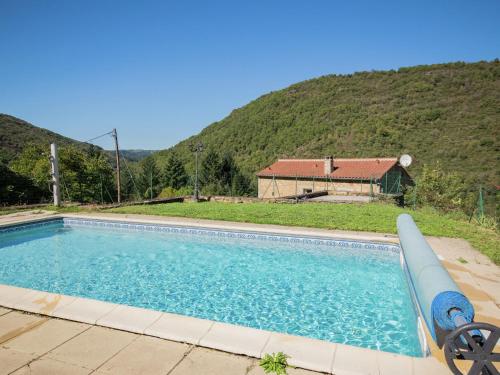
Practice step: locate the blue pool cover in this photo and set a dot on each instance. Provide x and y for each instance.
(438, 295)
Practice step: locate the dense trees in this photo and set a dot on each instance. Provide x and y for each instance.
(444, 191)
(150, 178)
(86, 176)
(221, 176)
(175, 175)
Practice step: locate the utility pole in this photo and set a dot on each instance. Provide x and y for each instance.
(55, 174)
(114, 134)
(196, 149)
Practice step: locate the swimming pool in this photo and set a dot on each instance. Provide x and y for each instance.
(340, 291)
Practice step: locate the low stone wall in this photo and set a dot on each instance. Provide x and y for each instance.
(221, 198)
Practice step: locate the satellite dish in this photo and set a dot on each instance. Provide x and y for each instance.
(405, 160)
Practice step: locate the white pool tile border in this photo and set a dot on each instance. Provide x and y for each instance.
(307, 353)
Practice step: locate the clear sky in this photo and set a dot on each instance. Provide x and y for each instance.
(160, 71)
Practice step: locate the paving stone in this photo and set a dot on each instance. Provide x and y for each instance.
(11, 360)
(236, 339)
(179, 328)
(84, 310)
(211, 362)
(304, 352)
(146, 355)
(257, 370)
(47, 366)
(15, 323)
(394, 364)
(46, 336)
(92, 348)
(4, 311)
(42, 302)
(10, 295)
(347, 361)
(429, 365)
(130, 319)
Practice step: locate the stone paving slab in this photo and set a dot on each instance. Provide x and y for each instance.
(11, 360)
(131, 319)
(347, 361)
(147, 356)
(84, 310)
(209, 362)
(15, 323)
(42, 302)
(257, 370)
(10, 295)
(48, 366)
(304, 352)
(46, 336)
(179, 328)
(92, 348)
(4, 311)
(236, 339)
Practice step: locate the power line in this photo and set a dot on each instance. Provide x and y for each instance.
(102, 135)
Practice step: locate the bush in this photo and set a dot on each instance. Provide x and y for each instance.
(441, 190)
(170, 192)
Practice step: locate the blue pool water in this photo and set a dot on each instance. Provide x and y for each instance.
(352, 296)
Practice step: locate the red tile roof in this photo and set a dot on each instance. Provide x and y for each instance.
(342, 168)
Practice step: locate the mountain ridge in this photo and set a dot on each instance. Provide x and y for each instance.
(16, 133)
(447, 113)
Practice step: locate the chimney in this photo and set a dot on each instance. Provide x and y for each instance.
(328, 165)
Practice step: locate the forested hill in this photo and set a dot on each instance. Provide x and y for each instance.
(15, 134)
(446, 112)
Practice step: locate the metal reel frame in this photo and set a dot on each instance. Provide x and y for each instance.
(460, 345)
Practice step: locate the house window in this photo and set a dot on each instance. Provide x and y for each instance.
(306, 191)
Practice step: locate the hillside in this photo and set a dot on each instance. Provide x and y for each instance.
(16, 133)
(446, 112)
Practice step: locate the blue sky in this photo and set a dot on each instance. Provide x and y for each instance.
(160, 71)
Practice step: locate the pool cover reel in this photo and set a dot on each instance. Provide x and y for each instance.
(447, 312)
(440, 299)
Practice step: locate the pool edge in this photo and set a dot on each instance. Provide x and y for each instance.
(310, 233)
(306, 353)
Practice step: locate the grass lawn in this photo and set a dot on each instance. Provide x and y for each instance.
(375, 217)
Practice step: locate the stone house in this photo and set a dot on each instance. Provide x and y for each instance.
(291, 177)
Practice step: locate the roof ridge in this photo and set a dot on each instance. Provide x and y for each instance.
(350, 159)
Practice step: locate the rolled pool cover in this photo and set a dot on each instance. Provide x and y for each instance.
(439, 298)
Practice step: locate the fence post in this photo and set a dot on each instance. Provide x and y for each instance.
(415, 197)
(480, 203)
(54, 162)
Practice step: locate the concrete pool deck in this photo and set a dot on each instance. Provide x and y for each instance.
(305, 353)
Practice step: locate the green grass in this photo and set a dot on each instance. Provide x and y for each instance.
(374, 217)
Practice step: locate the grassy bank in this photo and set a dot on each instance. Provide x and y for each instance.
(362, 217)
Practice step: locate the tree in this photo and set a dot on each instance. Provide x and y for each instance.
(85, 175)
(149, 180)
(18, 189)
(228, 170)
(240, 185)
(210, 176)
(175, 175)
(438, 189)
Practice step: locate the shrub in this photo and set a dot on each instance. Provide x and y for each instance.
(275, 363)
(170, 192)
